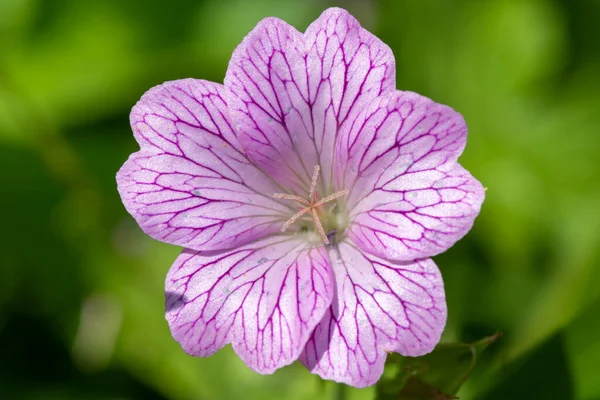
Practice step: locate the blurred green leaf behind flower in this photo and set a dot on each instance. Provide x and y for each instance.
(81, 288)
(434, 376)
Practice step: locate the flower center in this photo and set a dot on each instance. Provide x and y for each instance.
(311, 205)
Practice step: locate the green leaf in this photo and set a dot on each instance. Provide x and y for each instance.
(540, 374)
(434, 376)
(583, 353)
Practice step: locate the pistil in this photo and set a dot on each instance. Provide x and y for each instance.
(310, 205)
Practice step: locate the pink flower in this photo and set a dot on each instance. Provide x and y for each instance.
(309, 195)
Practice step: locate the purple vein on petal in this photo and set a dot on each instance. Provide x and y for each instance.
(191, 183)
(380, 307)
(265, 298)
(296, 90)
(409, 198)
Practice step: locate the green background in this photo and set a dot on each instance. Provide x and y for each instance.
(81, 288)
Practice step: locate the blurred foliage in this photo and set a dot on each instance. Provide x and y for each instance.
(81, 288)
(434, 376)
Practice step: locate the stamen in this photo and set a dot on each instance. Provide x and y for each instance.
(291, 197)
(331, 197)
(294, 218)
(313, 183)
(311, 204)
(319, 226)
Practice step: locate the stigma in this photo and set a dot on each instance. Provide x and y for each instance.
(310, 205)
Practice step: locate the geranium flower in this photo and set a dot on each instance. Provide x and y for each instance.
(309, 195)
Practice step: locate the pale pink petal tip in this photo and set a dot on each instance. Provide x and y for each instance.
(190, 184)
(290, 92)
(264, 298)
(410, 199)
(381, 307)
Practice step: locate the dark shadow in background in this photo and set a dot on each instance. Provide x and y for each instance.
(543, 374)
(37, 364)
(174, 301)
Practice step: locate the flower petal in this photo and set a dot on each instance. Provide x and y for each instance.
(264, 298)
(291, 92)
(379, 307)
(190, 184)
(409, 197)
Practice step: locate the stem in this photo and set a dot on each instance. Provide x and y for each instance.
(339, 392)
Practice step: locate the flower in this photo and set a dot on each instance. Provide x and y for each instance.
(309, 194)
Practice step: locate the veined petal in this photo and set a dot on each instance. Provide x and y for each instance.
(292, 92)
(190, 184)
(265, 298)
(347, 67)
(409, 197)
(267, 78)
(379, 307)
